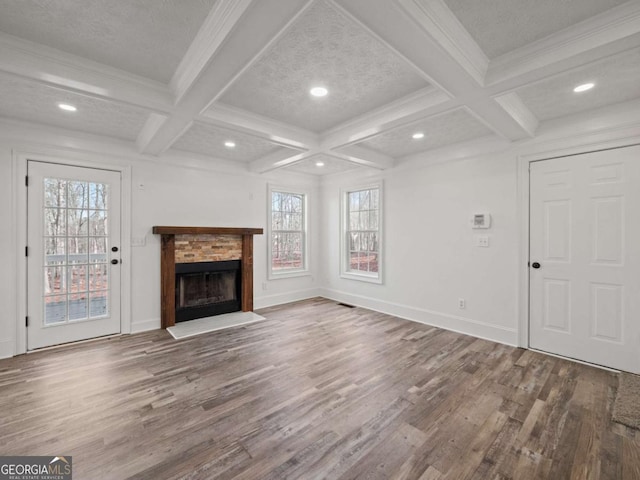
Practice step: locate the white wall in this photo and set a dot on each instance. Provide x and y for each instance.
(177, 196)
(7, 250)
(430, 260)
(176, 191)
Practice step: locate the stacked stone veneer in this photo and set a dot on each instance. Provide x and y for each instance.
(207, 248)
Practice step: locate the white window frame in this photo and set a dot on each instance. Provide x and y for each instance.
(370, 277)
(292, 272)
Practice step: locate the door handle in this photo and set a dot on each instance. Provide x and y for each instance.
(114, 261)
(535, 265)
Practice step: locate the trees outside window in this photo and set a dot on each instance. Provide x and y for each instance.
(361, 233)
(76, 244)
(288, 233)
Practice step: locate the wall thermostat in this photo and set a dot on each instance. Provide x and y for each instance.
(481, 220)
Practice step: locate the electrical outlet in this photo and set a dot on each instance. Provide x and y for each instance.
(462, 304)
(482, 240)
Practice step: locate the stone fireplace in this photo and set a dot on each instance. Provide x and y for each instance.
(205, 271)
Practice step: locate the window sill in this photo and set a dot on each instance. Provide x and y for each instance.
(289, 274)
(362, 277)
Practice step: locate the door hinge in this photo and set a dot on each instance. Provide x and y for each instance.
(26, 251)
(26, 321)
(26, 180)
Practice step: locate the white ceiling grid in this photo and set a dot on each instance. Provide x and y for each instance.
(190, 75)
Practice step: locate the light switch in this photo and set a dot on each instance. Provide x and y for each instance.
(138, 241)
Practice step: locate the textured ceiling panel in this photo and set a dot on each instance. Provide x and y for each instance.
(500, 26)
(323, 47)
(34, 102)
(145, 37)
(617, 79)
(331, 165)
(441, 130)
(209, 140)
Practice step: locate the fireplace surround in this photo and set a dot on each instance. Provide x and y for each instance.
(213, 263)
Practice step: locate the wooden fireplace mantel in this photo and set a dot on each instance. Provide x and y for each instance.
(206, 231)
(168, 265)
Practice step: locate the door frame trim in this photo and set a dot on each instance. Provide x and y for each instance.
(20, 159)
(523, 200)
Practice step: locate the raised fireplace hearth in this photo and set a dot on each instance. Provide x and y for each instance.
(205, 271)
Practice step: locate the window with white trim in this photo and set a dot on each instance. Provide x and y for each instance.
(362, 238)
(287, 233)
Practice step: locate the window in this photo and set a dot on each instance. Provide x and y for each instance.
(361, 249)
(288, 233)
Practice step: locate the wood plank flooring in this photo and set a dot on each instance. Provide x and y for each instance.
(316, 391)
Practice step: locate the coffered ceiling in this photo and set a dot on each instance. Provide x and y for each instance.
(435, 131)
(500, 26)
(322, 164)
(210, 140)
(323, 47)
(617, 78)
(144, 37)
(38, 102)
(191, 75)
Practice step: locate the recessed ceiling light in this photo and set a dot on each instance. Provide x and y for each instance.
(66, 107)
(319, 163)
(584, 87)
(318, 91)
(230, 144)
(417, 135)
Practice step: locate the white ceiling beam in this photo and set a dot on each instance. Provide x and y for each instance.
(515, 107)
(259, 126)
(78, 75)
(279, 159)
(410, 36)
(490, 112)
(265, 21)
(475, 148)
(222, 18)
(445, 28)
(595, 125)
(603, 35)
(150, 127)
(364, 157)
(405, 110)
(408, 26)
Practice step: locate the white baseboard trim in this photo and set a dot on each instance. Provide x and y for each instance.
(446, 321)
(287, 297)
(7, 348)
(145, 325)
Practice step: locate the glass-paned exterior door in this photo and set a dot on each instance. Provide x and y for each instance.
(73, 263)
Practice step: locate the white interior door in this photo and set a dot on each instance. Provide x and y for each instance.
(585, 243)
(73, 262)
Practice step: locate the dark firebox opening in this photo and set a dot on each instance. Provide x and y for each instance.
(205, 289)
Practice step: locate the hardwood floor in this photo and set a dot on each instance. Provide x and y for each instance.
(316, 391)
